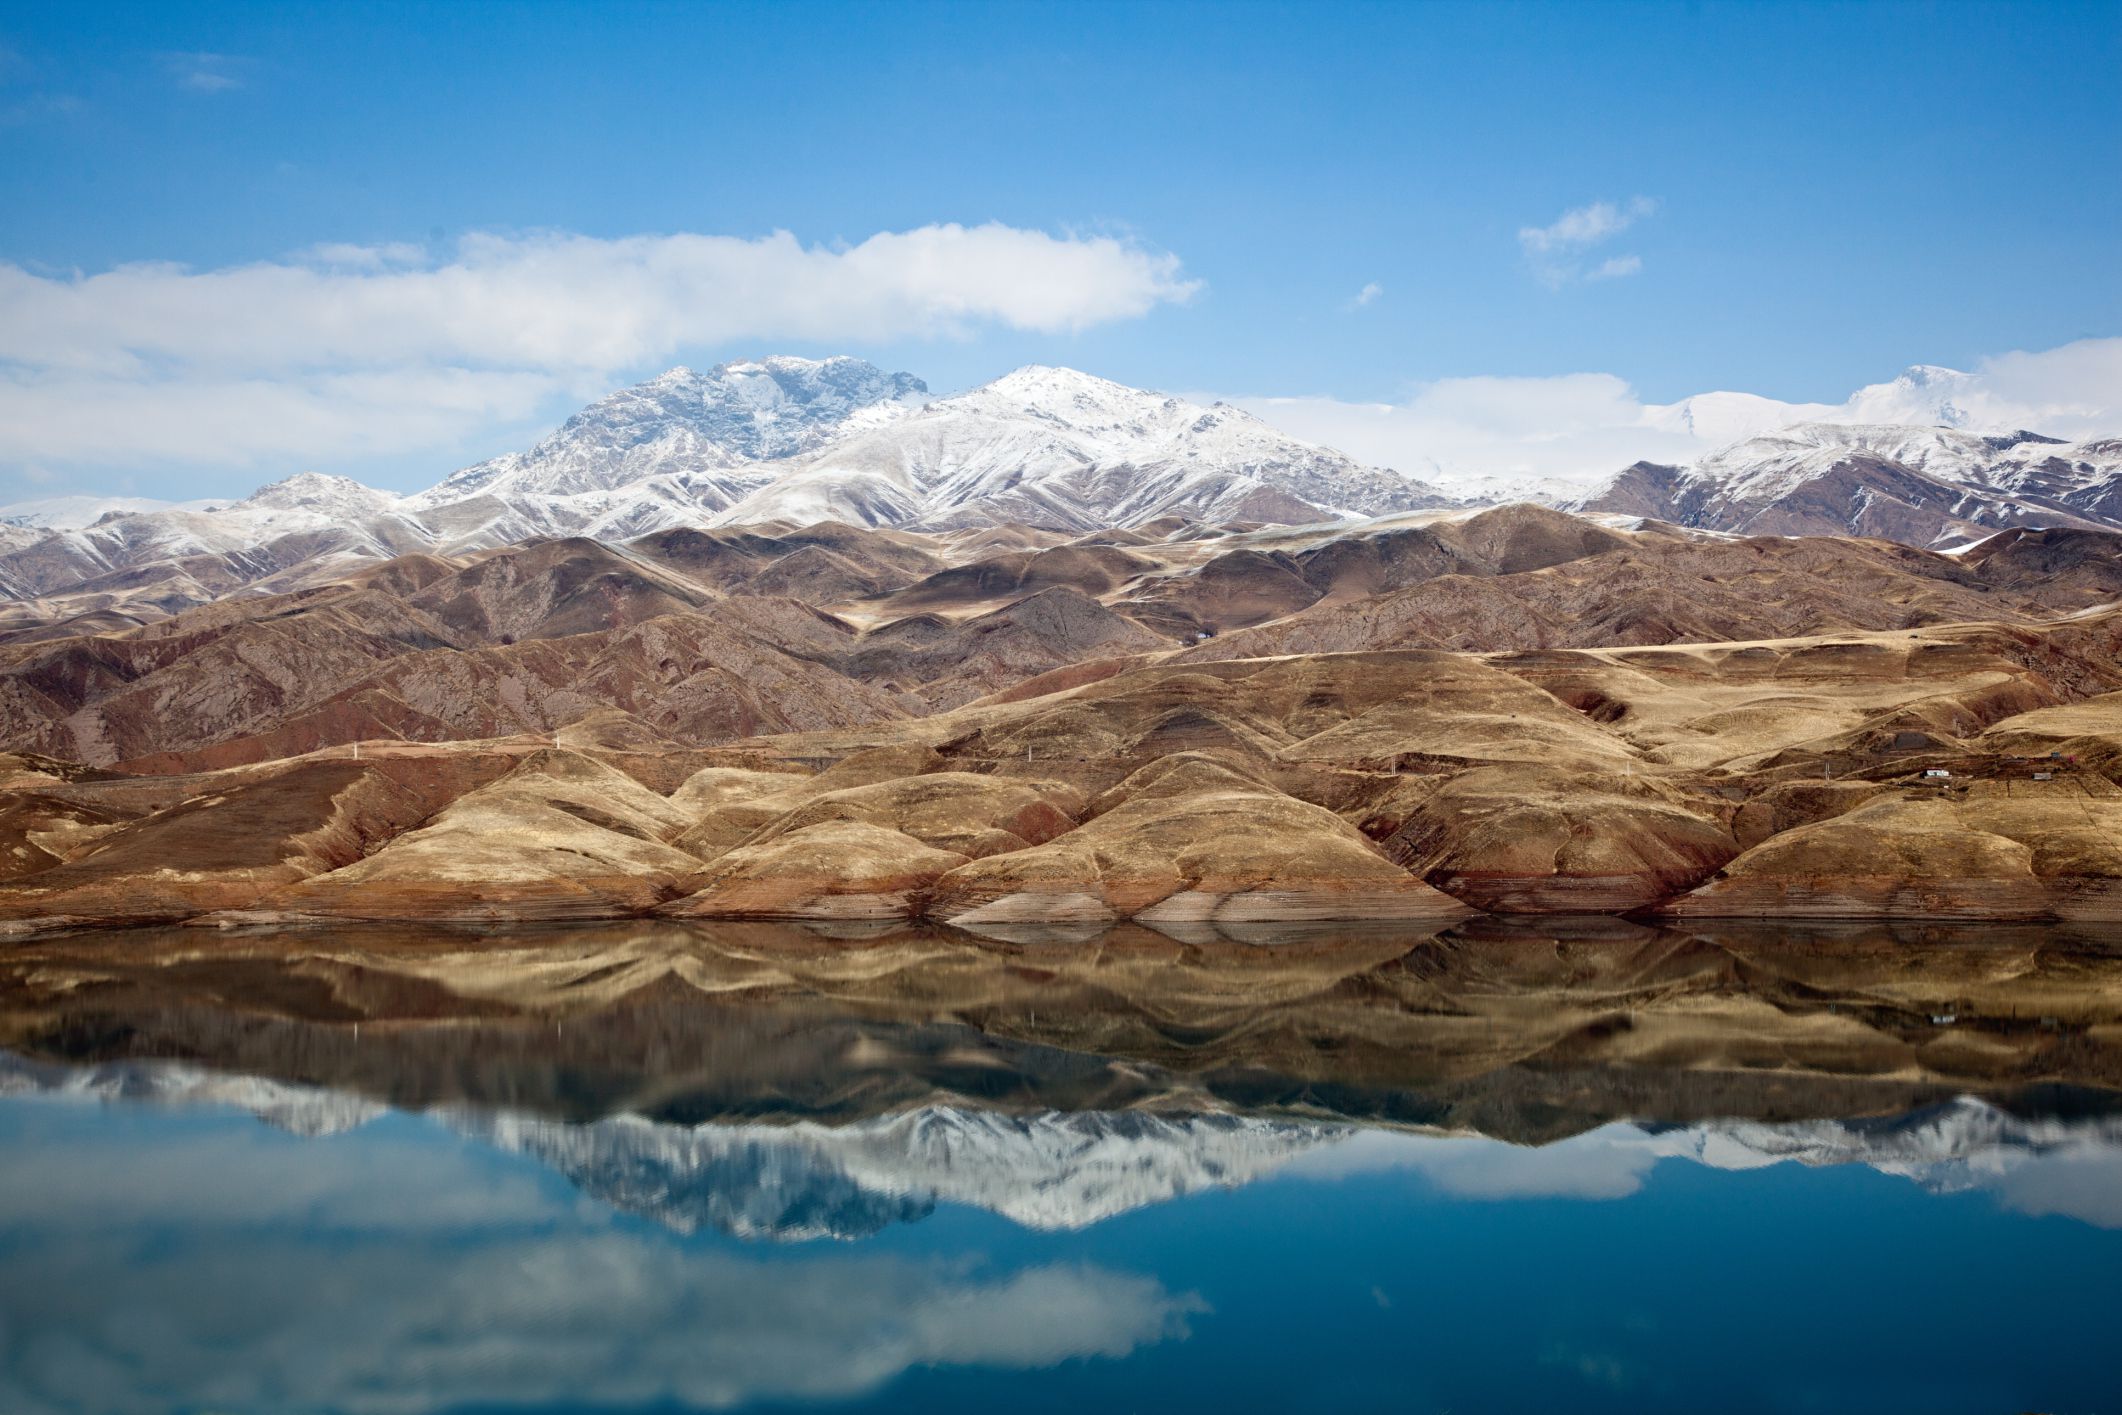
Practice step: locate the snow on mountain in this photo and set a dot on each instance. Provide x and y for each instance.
(1920, 459)
(1919, 485)
(802, 440)
(1720, 418)
(704, 427)
(1054, 447)
(1923, 395)
(1059, 1170)
(73, 513)
(1775, 462)
(310, 498)
(669, 452)
(307, 517)
(776, 438)
(310, 1111)
(1049, 1171)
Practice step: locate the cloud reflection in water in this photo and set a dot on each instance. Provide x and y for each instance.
(385, 1272)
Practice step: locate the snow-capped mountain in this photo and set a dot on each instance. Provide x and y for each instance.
(311, 1111)
(71, 513)
(1918, 485)
(1923, 395)
(689, 426)
(1049, 1171)
(772, 439)
(1931, 457)
(1720, 418)
(307, 519)
(1054, 447)
(800, 440)
(1059, 1170)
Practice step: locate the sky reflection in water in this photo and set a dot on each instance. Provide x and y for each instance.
(184, 1236)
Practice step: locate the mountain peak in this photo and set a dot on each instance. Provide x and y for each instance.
(319, 491)
(1035, 380)
(687, 423)
(1057, 447)
(793, 363)
(1069, 398)
(1925, 394)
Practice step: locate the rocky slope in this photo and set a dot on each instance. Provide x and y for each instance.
(706, 636)
(1916, 485)
(1513, 710)
(690, 426)
(573, 730)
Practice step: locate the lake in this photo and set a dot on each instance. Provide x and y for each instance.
(1530, 1165)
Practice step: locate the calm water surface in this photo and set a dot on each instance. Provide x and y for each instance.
(647, 1168)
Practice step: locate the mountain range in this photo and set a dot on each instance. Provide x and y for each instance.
(1061, 1171)
(782, 640)
(786, 442)
(1917, 485)
(778, 441)
(1514, 710)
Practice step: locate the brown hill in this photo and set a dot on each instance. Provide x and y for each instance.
(1517, 711)
(1528, 1030)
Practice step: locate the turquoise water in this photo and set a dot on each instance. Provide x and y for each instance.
(180, 1233)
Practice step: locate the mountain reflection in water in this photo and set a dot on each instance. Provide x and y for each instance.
(703, 1167)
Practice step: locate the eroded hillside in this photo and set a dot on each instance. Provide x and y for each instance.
(1516, 711)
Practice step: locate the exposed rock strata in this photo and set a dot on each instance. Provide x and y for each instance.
(1018, 726)
(1188, 842)
(561, 836)
(2008, 849)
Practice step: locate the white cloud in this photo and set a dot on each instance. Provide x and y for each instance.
(2074, 391)
(103, 419)
(1473, 433)
(2035, 1167)
(212, 1264)
(1585, 225)
(397, 349)
(1508, 435)
(342, 253)
(238, 1318)
(202, 72)
(1555, 251)
(577, 302)
(1368, 295)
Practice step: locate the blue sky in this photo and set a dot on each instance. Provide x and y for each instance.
(1798, 199)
